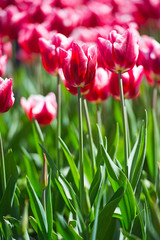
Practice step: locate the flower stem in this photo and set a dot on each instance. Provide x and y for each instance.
(98, 115)
(3, 172)
(124, 124)
(89, 134)
(80, 148)
(58, 119)
(154, 96)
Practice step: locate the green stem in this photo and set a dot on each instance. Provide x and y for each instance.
(58, 119)
(124, 124)
(80, 148)
(98, 115)
(89, 134)
(154, 96)
(3, 172)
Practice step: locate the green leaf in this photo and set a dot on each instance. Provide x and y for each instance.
(67, 232)
(117, 178)
(95, 186)
(37, 209)
(33, 223)
(87, 166)
(49, 209)
(153, 145)
(51, 162)
(105, 215)
(31, 171)
(113, 143)
(8, 196)
(138, 156)
(130, 236)
(154, 209)
(71, 163)
(99, 197)
(65, 192)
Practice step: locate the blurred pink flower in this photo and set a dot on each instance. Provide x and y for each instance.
(149, 57)
(6, 94)
(43, 109)
(49, 53)
(99, 91)
(29, 36)
(131, 83)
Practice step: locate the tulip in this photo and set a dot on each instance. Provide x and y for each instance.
(131, 83)
(149, 57)
(63, 20)
(6, 95)
(73, 90)
(99, 89)
(11, 20)
(3, 65)
(29, 35)
(41, 108)
(49, 53)
(79, 64)
(119, 52)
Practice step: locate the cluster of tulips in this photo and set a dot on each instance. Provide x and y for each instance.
(96, 49)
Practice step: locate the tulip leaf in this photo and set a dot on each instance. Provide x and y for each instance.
(31, 171)
(129, 236)
(66, 230)
(154, 209)
(95, 186)
(50, 161)
(105, 215)
(49, 208)
(8, 196)
(71, 163)
(138, 156)
(153, 145)
(37, 209)
(65, 192)
(113, 143)
(99, 197)
(118, 179)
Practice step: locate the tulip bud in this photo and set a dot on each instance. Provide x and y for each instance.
(119, 52)
(6, 95)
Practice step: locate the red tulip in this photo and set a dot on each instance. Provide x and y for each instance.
(63, 20)
(131, 83)
(11, 20)
(99, 91)
(79, 64)
(29, 36)
(3, 65)
(48, 50)
(119, 52)
(41, 108)
(149, 57)
(6, 95)
(71, 89)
